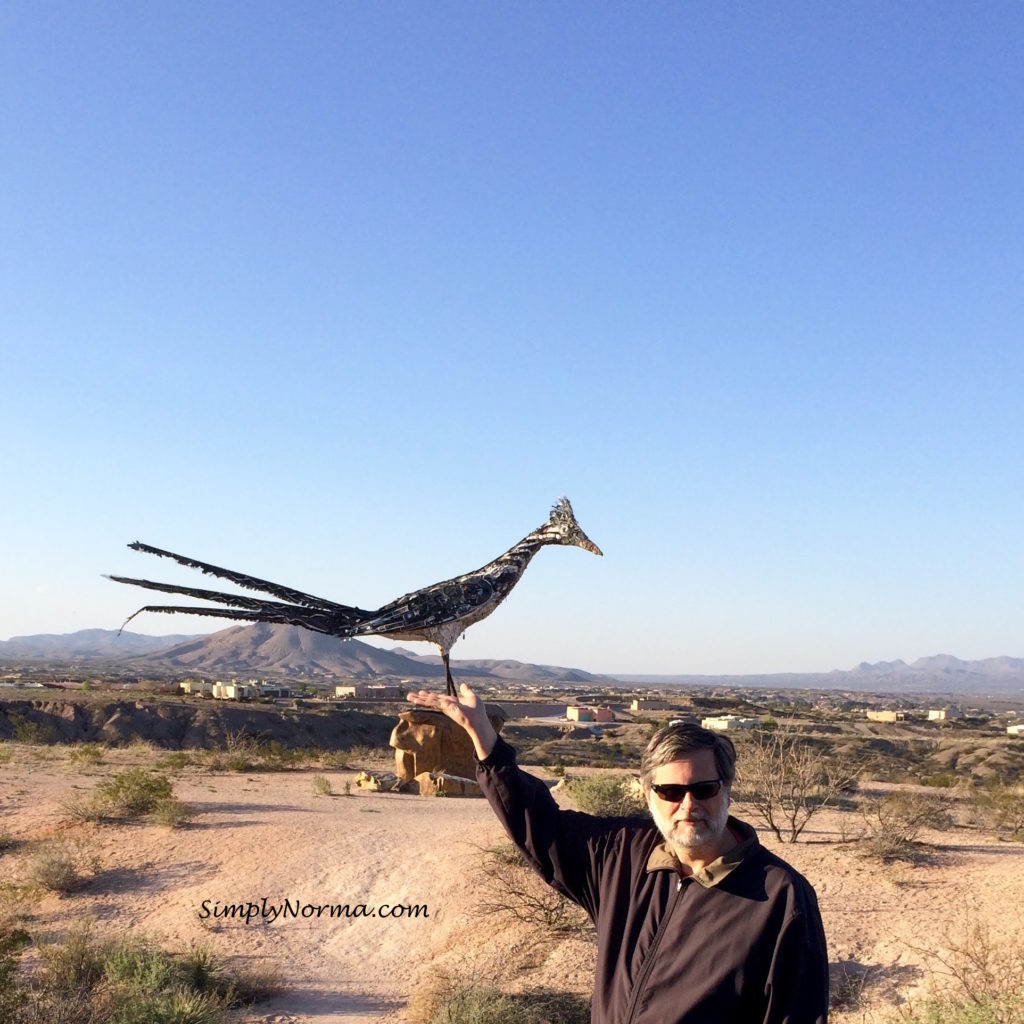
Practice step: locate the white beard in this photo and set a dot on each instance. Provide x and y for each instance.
(694, 835)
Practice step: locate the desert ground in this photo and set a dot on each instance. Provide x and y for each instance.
(258, 835)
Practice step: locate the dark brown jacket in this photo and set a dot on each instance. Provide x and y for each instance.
(738, 943)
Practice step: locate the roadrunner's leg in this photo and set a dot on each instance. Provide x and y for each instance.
(448, 674)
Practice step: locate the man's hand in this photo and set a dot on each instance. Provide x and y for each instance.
(467, 711)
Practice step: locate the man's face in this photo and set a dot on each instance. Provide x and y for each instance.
(693, 826)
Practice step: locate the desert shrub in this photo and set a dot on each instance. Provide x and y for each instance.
(132, 793)
(322, 785)
(72, 964)
(606, 795)
(896, 822)
(53, 868)
(1001, 805)
(249, 986)
(359, 756)
(129, 982)
(276, 755)
(178, 759)
(27, 731)
(940, 780)
(241, 751)
(171, 1006)
(451, 1001)
(171, 812)
(11, 942)
(787, 780)
(88, 753)
(977, 981)
(5, 753)
(509, 886)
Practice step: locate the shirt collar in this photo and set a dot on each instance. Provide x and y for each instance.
(662, 858)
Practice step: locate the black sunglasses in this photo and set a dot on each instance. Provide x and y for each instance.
(674, 792)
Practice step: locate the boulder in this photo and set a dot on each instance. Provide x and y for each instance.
(429, 742)
(375, 782)
(441, 784)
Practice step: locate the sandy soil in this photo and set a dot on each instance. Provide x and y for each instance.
(261, 836)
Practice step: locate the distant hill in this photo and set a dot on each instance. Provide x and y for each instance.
(86, 643)
(291, 652)
(940, 673)
(260, 649)
(288, 650)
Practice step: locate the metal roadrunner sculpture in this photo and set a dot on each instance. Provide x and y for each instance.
(440, 613)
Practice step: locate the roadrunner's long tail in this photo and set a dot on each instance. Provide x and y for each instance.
(295, 609)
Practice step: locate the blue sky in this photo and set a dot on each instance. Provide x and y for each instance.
(345, 295)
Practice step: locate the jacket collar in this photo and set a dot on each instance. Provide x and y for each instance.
(662, 858)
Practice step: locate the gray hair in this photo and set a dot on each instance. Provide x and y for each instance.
(677, 742)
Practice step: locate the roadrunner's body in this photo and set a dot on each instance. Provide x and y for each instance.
(440, 613)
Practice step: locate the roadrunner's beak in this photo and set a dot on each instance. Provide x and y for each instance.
(588, 545)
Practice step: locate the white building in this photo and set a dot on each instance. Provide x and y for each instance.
(370, 691)
(230, 691)
(726, 723)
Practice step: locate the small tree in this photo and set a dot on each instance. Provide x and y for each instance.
(1002, 804)
(511, 887)
(788, 781)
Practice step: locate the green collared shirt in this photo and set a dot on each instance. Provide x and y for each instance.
(662, 858)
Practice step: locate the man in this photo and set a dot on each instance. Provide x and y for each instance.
(696, 922)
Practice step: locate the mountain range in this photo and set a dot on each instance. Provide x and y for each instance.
(259, 650)
(291, 652)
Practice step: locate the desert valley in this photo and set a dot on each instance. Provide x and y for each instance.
(247, 843)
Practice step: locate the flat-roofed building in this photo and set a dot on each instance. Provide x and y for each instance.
(729, 723)
(589, 713)
(886, 716)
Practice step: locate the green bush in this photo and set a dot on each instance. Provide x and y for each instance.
(132, 793)
(171, 812)
(53, 868)
(322, 785)
(27, 731)
(90, 753)
(606, 795)
(453, 1002)
(128, 982)
(983, 982)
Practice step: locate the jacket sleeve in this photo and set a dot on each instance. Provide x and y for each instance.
(564, 847)
(797, 987)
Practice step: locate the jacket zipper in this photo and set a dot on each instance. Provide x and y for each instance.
(648, 964)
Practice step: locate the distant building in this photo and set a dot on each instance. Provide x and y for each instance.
(589, 713)
(886, 716)
(649, 704)
(943, 714)
(230, 691)
(370, 691)
(727, 723)
(532, 709)
(197, 687)
(1015, 730)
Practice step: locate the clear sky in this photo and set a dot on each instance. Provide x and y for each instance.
(346, 295)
